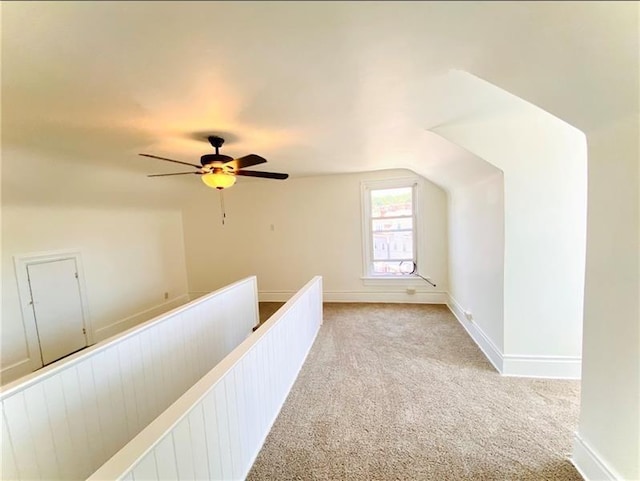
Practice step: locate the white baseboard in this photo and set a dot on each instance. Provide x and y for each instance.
(130, 321)
(589, 464)
(276, 296)
(397, 296)
(193, 295)
(548, 367)
(486, 345)
(420, 297)
(15, 371)
(516, 365)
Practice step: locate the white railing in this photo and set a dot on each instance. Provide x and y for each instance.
(66, 420)
(216, 429)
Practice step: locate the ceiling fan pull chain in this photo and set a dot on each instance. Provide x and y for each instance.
(224, 214)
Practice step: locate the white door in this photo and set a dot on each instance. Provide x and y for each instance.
(57, 307)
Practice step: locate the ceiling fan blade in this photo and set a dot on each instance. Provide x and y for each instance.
(246, 161)
(266, 175)
(171, 160)
(175, 173)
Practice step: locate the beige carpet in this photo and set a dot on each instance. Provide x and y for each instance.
(401, 392)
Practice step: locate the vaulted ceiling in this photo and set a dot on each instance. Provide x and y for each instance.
(315, 87)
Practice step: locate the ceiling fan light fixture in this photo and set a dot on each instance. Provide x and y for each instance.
(219, 171)
(218, 180)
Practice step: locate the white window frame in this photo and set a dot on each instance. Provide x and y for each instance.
(367, 234)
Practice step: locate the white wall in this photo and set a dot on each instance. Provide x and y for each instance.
(316, 231)
(610, 417)
(130, 258)
(476, 254)
(545, 189)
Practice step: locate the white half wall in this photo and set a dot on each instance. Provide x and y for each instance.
(131, 257)
(217, 428)
(64, 421)
(288, 231)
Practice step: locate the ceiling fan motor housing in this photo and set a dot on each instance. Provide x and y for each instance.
(215, 141)
(211, 158)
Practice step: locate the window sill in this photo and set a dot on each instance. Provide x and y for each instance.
(409, 280)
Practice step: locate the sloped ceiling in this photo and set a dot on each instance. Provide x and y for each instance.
(315, 87)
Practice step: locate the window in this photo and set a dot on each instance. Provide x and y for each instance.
(389, 227)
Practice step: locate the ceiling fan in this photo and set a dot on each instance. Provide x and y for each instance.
(219, 171)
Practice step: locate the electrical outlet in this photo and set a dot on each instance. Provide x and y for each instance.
(166, 295)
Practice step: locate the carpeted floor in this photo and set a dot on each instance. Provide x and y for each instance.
(401, 392)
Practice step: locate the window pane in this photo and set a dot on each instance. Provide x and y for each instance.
(392, 245)
(392, 202)
(387, 268)
(392, 224)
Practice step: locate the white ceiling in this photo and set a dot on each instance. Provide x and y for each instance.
(315, 87)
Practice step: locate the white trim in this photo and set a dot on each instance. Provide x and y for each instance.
(486, 345)
(400, 296)
(589, 463)
(137, 318)
(15, 371)
(547, 367)
(420, 297)
(21, 263)
(409, 280)
(193, 295)
(517, 365)
(365, 208)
